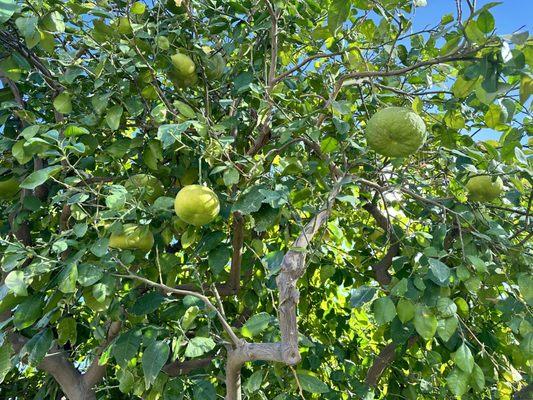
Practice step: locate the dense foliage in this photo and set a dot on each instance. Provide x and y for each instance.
(410, 289)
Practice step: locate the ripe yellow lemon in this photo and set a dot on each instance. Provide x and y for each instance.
(197, 205)
(395, 132)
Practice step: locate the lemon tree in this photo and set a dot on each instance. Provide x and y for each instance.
(258, 199)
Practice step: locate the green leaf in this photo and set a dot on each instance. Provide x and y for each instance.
(66, 331)
(67, 278)
(473, 33)
(113, 116)
(138, 8)
(63, 103)
(400, 288)
(154, 358)
(5, 355)
(446, 307)
(447, 327)
(477, 379)
(126, 381)
(439, 272)
(256, 324)
(253, 383)
(28, 312)
(405, 310)
(7, 9)
(39, 177)
(21, 153)
(89, 274)
(338, 12)
(100, 247)
(218, 259)
(493, 116)
(329, 145)
(188, 318)
(147, 303)
(384, 310)
(170, 133)
(485, 22)
(38, 346)
(198, 346)
(204, 390)
(361, 295)
(463, 358)
(311, 383)
(185, 109)
(15, 282)
(231, 176)
(249, 202)
(126, 346)
(425, 322)
(74, 130)
(457, 381)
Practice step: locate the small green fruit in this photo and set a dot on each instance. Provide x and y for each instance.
(123, 26)
(146, 187)
(132, 237)
(183, 65)
(483, 188)
(462, 307)
(395, 132)
(197, 205)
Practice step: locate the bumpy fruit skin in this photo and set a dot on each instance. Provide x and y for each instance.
(395, 132)
(197, 205)
(132, 237)
(483, 188)
(147, 187)
(8, 188)
(183, 65)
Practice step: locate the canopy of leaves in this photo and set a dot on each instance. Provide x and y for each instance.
(273, 114)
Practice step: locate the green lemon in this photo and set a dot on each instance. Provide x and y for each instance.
(8, 188)
(183, 65)
(484, 188)
(462, 307)
(197, 205)
(123, 26)
(147, 187)
(395, 132)
(132, 237)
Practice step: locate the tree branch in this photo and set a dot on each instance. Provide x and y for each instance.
(96, 372)
(383, 360)
(177, 367)
(181, 292)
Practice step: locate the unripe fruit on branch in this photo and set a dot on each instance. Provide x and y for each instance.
(395, 132)
(132, 237)
(197, 205)
(484, 188)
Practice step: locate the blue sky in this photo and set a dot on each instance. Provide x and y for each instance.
(510, 15)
